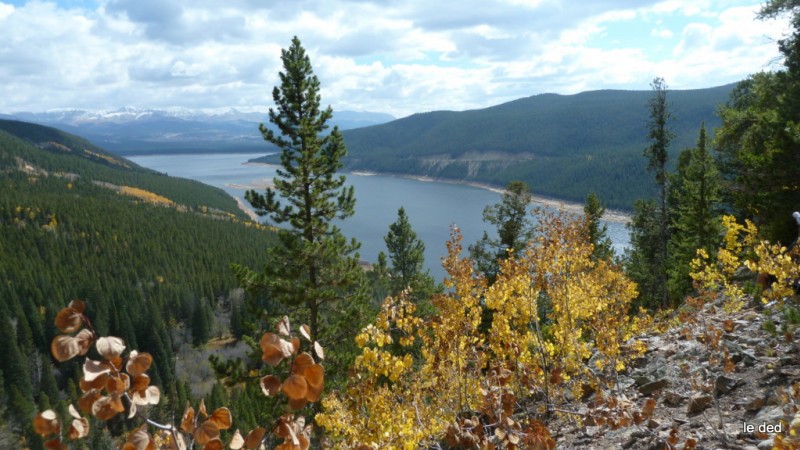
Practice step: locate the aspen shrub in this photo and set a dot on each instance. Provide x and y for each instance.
(446, 378)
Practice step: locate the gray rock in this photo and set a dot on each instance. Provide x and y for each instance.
(653, 386)
(673, 398)
(698, 404)
(724, 384)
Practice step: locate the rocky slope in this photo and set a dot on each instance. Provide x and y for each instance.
(718, 379)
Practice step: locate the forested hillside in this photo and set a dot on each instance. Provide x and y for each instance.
(561, 145)
(150, 255)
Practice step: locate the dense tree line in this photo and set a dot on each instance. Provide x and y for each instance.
(144, 271)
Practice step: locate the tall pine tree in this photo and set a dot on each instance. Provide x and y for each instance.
(694, 195)
(647, 260)
(314, 266)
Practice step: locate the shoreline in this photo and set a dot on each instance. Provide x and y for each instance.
(247, 210)
(611, 215)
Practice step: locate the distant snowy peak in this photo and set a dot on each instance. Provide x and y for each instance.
(125, 114)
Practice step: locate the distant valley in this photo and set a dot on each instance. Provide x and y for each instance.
(134, 131)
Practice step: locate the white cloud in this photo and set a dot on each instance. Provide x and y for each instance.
(391, 56)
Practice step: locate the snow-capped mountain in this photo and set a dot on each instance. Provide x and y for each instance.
(131, 130)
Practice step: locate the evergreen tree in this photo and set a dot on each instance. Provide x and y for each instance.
(407, 254)
(593, 210)
(314, 266)
(695, 224)
(514, 229)
(641, 255)
(650, 226)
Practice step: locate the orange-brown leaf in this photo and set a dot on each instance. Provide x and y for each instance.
(106, 408)
(187, 422)
(139, 439)
(46, 423)
(79, 429)
(295, 387)
(207, 431)
(254, 438)
(118, 384)
(296, 404)
(648, 408)
(55, 444)
(270, 385)
(141, 382)
(64, 348)
(98, 382)
(87, 400)
(77, 305)
(222, 417)
(274, 349)
(729, 325)
(301, 362)
(68, 320)
(138, 363)
(93, 369)
(214, 444)
(84, 338)
(202, 408)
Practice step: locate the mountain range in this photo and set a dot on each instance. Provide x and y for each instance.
(563, 146)
(135, 131)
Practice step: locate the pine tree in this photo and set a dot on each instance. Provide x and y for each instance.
(759, 139)
(514, 229)
(314, 265)
(593, 210)
(650, 225)
(407, 254)
(695, 223)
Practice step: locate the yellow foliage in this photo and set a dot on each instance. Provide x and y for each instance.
(146, 195)
(742, 248)
(416, 378)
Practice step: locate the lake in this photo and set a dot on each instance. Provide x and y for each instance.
(432, 207)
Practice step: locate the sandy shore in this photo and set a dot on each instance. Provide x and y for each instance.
(246, 208)
(611, 215)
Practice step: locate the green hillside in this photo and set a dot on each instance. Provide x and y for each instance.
(66, 153)
(152, 274)
(562, 145)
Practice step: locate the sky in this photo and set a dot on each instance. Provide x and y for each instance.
(392, 56)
